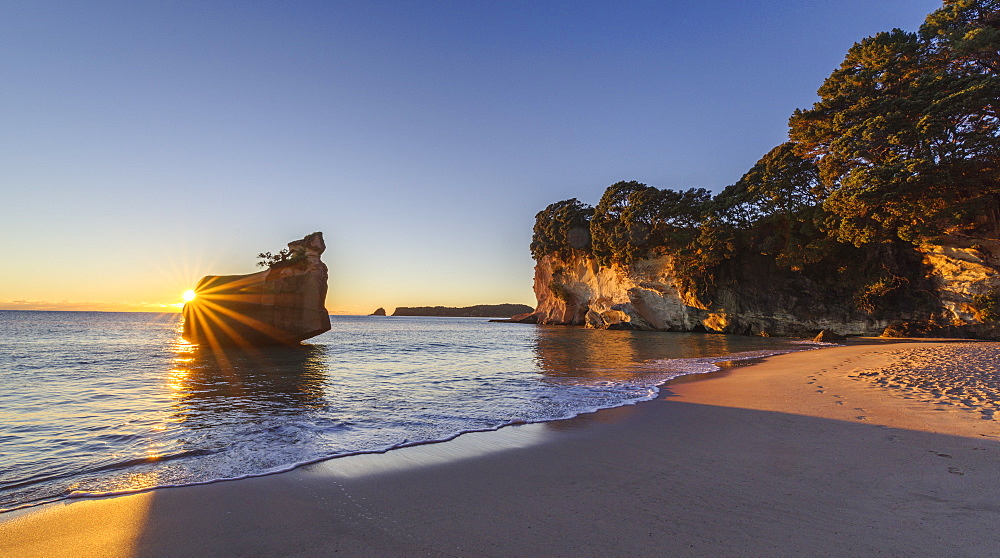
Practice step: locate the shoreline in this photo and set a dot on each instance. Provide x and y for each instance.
(653, 477)
(721, 362)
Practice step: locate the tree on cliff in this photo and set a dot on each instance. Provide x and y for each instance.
(781, 183)
(775, 204)
(634, 221)
(613, 239)
(562, 228)
(268, 259)
(906, 134)
(283, 258)
(903, 146)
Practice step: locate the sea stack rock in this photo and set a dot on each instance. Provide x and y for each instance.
(378, 312)
(827, 336)
(282, 305)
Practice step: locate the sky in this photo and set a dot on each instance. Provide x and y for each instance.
(144, 145)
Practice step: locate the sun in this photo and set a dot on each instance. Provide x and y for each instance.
(189, 295)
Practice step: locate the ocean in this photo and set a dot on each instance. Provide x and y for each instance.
(101, 402)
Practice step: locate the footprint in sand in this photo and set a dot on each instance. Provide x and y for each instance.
(955, 471)
(861, 417)
(838, 402)
(820, 391)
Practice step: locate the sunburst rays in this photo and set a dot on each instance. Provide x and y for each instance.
(225, 313)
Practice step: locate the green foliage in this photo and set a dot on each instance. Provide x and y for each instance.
(613, 239)
(700, 259)
(780, 183)
(969, 30)
(775, 206)
(906, 134)
(872, 297)
(559, 291)
(282, 258)
(902, 146)
(562, 228)
(889, 278)
(988, 305)
(634, 221)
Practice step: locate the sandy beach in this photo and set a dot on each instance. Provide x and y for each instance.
(843, 451)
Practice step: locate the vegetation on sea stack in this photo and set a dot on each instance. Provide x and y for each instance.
(902, 147)
(282, 258)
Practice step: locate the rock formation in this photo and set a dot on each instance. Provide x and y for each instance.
(963, 269)
(827, 336)
(282, 305)
(378, 312)
(754, 299)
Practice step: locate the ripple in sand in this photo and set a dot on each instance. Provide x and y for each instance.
(966, 375)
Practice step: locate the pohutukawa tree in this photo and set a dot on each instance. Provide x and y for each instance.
(562, 228)
(778, 199)
(780, 183)
(906, 134)
(634, 221)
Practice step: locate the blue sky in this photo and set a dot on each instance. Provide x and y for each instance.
(147, 144)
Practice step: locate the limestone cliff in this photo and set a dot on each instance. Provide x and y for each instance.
(963, 268)
(752, 296)
(283, 305)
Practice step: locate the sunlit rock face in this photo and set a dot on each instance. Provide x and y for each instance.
(755, 300)
(963, 268)
(647, 295)
(282, 305)
(579, 291)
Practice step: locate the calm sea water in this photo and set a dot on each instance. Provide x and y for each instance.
(94, 402)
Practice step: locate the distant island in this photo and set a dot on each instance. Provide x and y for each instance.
(477, 311)
(378, 312)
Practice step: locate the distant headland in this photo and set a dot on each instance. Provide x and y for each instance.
(477, 311)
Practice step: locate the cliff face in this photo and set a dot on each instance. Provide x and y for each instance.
(645, 295)
(962, 269)
(282, 305)
(754, 297)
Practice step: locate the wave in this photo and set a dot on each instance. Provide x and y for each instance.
(599, 394)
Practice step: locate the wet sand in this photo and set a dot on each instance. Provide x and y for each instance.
(804, 454)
